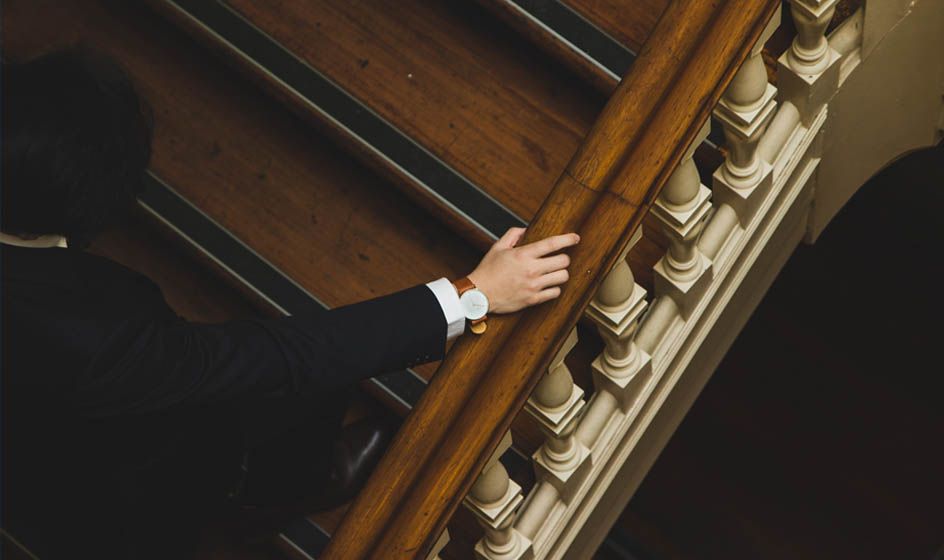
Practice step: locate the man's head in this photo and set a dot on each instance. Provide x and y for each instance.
(76, 143)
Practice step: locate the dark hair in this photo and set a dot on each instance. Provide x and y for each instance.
(76, 144)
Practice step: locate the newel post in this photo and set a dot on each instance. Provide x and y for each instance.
(745, 110)
(557, 405)
(682, 207)
(494, 500)
(808, 73)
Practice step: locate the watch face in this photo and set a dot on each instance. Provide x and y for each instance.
(474, 304)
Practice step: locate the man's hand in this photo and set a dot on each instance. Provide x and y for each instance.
(517, 277)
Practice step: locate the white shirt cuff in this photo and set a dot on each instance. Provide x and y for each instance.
(448, 299)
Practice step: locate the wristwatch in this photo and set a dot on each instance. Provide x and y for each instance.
(474, 304)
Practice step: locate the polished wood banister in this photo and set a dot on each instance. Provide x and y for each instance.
(637, 141)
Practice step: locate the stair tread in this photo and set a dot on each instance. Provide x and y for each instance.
(600, 38)
(367, 51)
(476, 97)
(286, 192)
(630, 23)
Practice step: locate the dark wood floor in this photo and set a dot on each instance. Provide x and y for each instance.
(628, 22)
(821, 435)
(477, 97)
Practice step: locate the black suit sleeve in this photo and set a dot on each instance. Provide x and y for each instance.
(153, 365)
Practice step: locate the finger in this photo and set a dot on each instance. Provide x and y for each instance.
(551, 244)
(555, 278)
(552, 263)
(511, 237)
(546, 295)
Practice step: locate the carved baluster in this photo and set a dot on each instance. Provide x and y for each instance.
(616, 310)
(557, 404)
(809, 52)
(808, 73)
(682, 208)
(745, 110)
(494, 500)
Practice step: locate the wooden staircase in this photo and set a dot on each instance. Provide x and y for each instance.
(313, 154)
(370, 191)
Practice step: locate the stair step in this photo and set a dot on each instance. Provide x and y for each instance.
(600, 38)
(416, 77)
(597, 38)
(630, 23)
(380, 36)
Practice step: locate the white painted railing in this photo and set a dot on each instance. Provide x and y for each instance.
(715, 237)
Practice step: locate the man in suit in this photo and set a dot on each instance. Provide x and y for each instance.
(124, 426)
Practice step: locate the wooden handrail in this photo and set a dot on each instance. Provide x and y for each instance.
(605, 192)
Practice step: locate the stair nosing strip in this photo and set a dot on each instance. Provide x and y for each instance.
(437, 178)
(315, 535)
(596, 46)
(578, 30)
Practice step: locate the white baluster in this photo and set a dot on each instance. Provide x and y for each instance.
(808, 73)
(557, 404)
(616, 310)
(682, 208)
(809, 52)
(494, 500)
(745, 110)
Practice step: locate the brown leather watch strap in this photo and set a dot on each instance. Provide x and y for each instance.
(463, 285)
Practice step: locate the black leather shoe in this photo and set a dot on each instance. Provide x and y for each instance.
(357, 451)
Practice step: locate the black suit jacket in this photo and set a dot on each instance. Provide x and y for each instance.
(98, 373)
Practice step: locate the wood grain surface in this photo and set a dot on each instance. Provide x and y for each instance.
(630, 23)
(617, 173)
(471, 69)
(477, 96)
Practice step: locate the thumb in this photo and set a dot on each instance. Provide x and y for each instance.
(511, 238)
